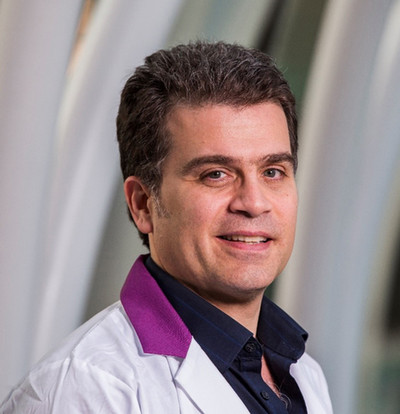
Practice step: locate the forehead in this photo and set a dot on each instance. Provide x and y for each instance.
(220, 129)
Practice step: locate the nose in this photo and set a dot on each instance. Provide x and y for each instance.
(251, 198)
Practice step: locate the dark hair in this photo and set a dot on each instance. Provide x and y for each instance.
(195, 74)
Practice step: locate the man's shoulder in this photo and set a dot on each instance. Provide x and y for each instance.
(99, 355)
(103, 342)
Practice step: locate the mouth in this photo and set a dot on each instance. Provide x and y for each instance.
(246, 239)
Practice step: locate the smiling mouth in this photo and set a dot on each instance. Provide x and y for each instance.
(246, 239)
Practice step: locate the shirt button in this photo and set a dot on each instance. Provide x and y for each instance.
(264, 395)
(250, 347)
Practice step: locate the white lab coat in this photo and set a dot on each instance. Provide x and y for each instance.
(107, 367)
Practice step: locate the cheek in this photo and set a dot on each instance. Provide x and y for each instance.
(291, 206)
(293, 223)
(292, 214)
(195, 208)
(288, 212)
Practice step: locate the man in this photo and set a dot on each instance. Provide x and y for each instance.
(208, 144)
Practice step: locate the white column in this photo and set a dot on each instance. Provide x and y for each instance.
(36, 37)
(350, 150)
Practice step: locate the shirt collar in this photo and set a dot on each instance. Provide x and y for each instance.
(279, 332)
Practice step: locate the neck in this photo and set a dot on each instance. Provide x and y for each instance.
(246, 314)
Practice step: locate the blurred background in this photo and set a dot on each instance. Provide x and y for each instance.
(66, 241)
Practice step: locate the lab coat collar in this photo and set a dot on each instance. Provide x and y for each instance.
(159, 327)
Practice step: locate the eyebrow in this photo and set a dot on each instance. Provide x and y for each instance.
(280, 157)
(226, 160)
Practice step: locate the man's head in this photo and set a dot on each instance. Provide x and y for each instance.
(194, 75)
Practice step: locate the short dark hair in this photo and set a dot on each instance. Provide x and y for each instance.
(195, 74)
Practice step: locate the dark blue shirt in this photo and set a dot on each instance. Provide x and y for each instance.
(234, 350)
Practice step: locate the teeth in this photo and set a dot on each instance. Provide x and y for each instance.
(246, 239)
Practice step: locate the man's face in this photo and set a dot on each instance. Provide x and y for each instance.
(225, 220)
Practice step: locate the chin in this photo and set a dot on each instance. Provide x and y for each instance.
(245, 296)
(248, 291)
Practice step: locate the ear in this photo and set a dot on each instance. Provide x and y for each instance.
(137, 197)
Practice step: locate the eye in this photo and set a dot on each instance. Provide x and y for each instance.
(215, 178)
(273, 173)
(215, 175)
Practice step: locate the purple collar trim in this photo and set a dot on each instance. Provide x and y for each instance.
(159, 327)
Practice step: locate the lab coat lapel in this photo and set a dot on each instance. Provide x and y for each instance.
(201, 382)
(312, 384)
